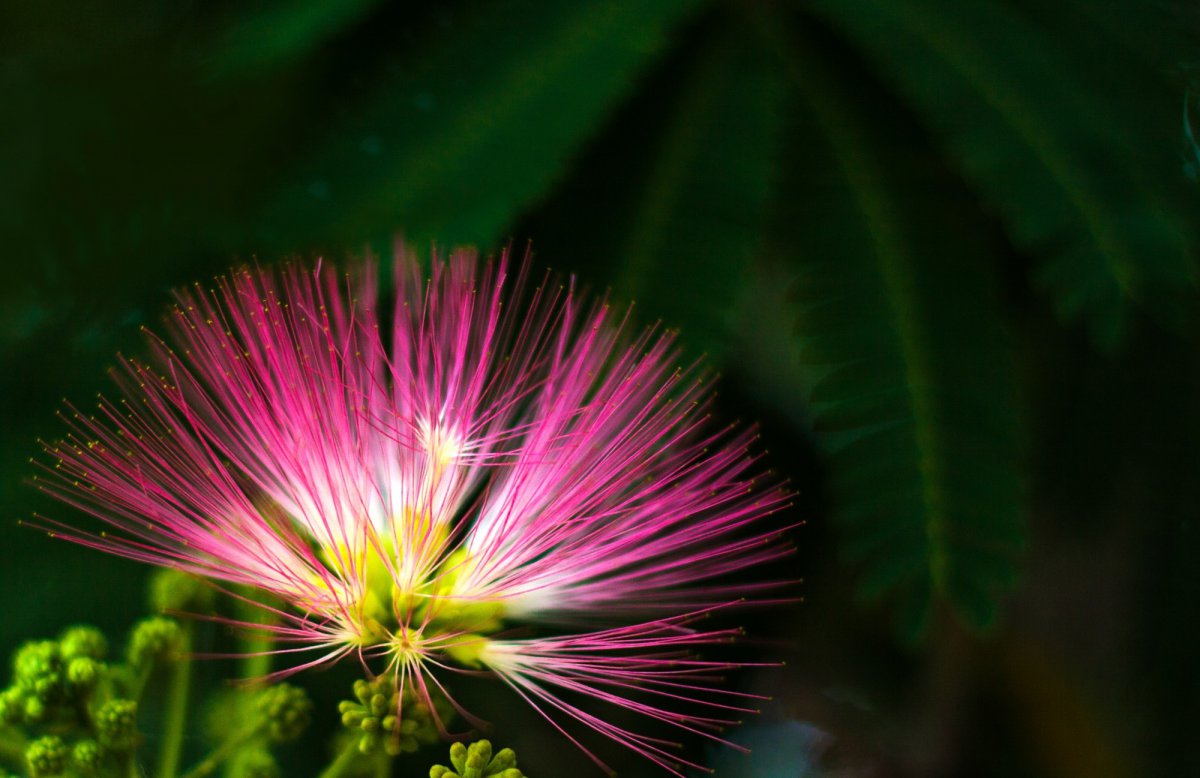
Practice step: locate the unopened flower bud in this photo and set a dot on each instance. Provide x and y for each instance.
(83, 672)
(35, 709)
(83, 641)
(87, 757)
(157, 639)
(37, 668)
(285, 710)
(505, 760)
(116, 724)
(46, 757)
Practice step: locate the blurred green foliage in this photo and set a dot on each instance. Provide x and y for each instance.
(944, 248)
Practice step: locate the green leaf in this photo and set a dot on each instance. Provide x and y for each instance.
(913, 392)
(700, 210)
(1077, 185)
(473, 124)
(263, 37)
(669, 205)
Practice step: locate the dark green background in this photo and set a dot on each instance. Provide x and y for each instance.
(943, 252)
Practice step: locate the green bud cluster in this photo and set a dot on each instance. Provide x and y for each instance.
(157, 639)
(477, 761)
(373, 715)
(116, 725)
(37, 670)
(61, 696)
(83, 650)
(251, 722)
(46, 757)
(78, 714)
(87, 757)
(284, 711)
(52, 678)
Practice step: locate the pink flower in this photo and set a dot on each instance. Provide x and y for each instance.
(414, 483)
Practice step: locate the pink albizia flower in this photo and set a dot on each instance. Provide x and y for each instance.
(491, 452)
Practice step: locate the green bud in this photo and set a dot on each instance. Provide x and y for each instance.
(458, 757)
(83, 641)
(352, 715)
(254, 763)
(12, 706)
(477, 761)
(46, 757)
(285, 712)
(479, 755)
(83, 672)
(116, 724)
(35, 709)
(505, 760)
(173, 590)
(37, 668)
(87, 757)
(156, 639)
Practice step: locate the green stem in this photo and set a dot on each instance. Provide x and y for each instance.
(220, 754)
(345, 760)
(140, 681)
(383, 764)
(171, 749)
(12, 747)
(257, 662)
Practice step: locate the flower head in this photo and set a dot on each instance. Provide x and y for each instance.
(413, 482)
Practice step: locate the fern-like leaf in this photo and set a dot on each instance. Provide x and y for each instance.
(702, 206)
(1041, 142)
(912, 385)
(475, 123)
(274, 34)
(683, 175)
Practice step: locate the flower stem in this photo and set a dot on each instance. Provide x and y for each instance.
(257, 663)
(257, 644)
(12, 747)
(344, 762)
(219, 755)
(383, 764)
(171, 749)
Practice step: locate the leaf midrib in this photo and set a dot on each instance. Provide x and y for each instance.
(976, 67)
(849, 144)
